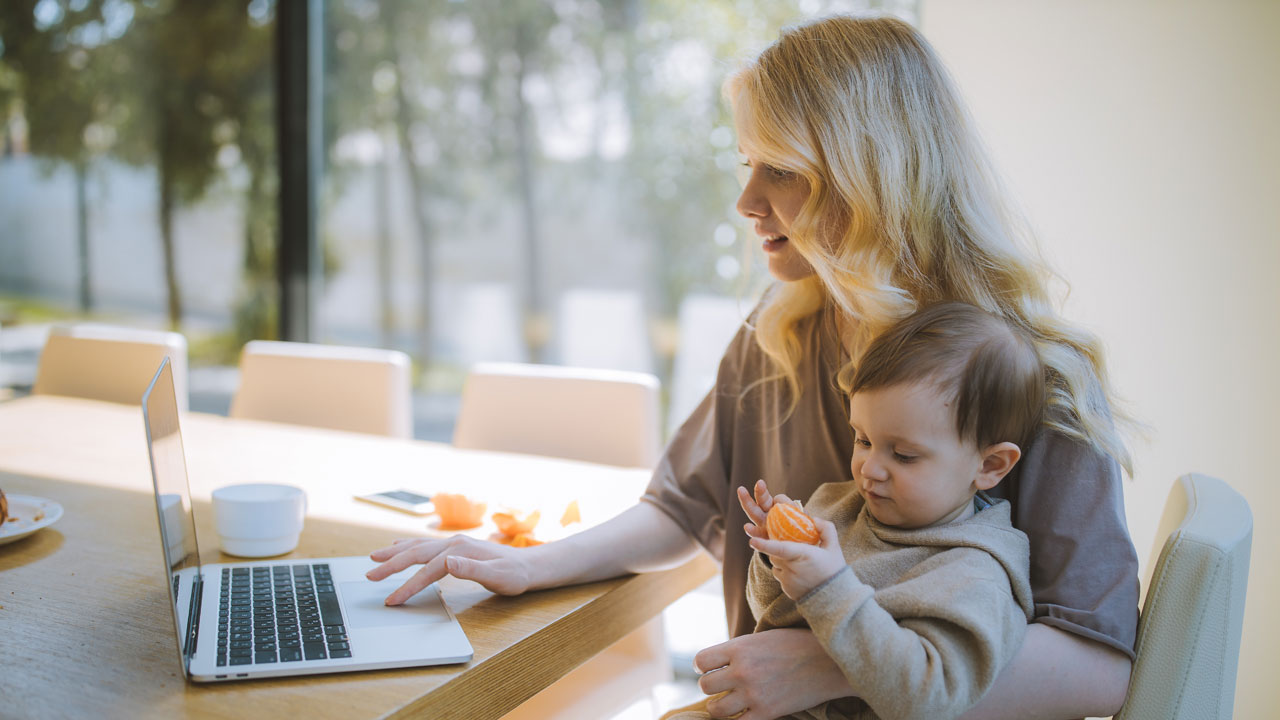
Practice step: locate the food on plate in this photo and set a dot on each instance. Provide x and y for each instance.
(458, 512)
(788, 521)
(571, 514)
(4, 507)
(515, 523)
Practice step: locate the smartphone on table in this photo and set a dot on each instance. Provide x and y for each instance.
(402, 500)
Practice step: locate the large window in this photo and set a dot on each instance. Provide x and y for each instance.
(540, 180)
(138, 176)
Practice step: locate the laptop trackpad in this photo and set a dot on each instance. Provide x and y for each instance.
(365, 608)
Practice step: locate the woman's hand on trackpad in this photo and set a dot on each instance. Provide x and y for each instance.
(499, 568)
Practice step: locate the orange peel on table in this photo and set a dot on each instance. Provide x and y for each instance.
(787, 521)
(525, 539)
(571, 514)
(514, 523)
(458, 512)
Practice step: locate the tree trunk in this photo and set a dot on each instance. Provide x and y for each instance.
(382, 213)
(418, 197)
(82, 234)
(535, 316)
(421, 226)
(167, 207)
(254, 317)
(174, 303)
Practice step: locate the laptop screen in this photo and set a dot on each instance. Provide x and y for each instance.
(173, 496)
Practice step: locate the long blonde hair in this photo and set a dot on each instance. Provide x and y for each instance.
(863, 110)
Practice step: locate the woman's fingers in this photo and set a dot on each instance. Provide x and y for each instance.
(493, 566)
(401, 555)
(711, 658)
(716, 681)
(382, 554)
(727, 705)
(431, 572)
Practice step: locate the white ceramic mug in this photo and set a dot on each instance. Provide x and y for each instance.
(259, 519)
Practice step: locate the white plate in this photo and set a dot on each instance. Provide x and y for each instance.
(26, 508)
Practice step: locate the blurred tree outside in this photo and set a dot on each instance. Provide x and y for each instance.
(58, 63)
(130, 79)
(513, 118)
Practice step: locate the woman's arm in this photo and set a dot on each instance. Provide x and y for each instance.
(640, 539)
(1054, 675)
(1057, 675)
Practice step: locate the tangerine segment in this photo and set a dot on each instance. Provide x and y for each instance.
(513, 523)
(458, 512)
(786, 521)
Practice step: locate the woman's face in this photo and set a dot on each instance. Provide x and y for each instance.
(771, 198)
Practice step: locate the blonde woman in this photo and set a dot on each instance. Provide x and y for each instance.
(872, 198)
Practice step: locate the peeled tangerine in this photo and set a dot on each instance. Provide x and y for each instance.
(458, 512)
(786, 521)
(514, 524)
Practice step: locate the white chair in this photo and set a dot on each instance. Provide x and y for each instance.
(357, 389)
(1189, 634)
(602, 416)
(106, 362)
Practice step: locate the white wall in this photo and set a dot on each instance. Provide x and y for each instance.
(1143, 140)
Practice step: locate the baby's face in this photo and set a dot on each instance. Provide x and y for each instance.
(908, 459)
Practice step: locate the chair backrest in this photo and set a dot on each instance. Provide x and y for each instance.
(105, 362)
(366, 390)
(602, 416)
(1189, 634)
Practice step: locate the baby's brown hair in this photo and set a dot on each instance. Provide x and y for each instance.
(988, 367)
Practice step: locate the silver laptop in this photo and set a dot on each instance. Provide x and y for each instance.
(274, 618)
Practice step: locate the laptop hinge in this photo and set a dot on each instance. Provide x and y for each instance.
(193, 617)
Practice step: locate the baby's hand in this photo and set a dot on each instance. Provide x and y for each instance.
(800, 567)
(757, 509)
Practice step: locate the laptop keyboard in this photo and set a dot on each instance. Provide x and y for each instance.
(281, 613)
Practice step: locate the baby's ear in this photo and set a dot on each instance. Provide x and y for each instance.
(997, 461)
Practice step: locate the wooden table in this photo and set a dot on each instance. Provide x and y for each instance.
(85, 626)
